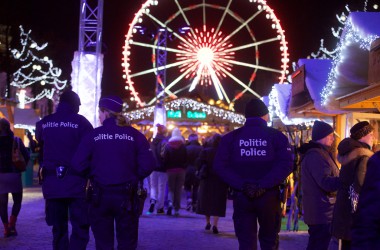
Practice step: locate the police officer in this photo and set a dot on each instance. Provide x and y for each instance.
(63, 188)
(254, 160)
(118, 157)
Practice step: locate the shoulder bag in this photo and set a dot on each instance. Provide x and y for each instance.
(17, 158)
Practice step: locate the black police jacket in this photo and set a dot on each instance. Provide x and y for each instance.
(115, 155)
(254, 153)
(60, 134)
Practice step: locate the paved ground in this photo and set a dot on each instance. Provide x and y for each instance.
(157, 232)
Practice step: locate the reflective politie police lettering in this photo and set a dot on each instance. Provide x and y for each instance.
(68, 125)
(253, 147)
(50, 125)
(114, 136)
(59, 124)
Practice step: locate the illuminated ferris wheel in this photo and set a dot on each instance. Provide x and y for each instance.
(218, 47)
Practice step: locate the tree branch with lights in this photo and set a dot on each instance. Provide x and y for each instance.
(36, 72)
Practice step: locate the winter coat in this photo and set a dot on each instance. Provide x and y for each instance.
(366, 221)
(319, 183)
(212, 196)
(254, 153)
(60, 134)
(114, 154)
(353, 155)
(175, 154)
(157, 148)
(10, 177)
(193, 149)
(6, 144)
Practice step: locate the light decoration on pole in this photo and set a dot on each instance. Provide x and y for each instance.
(352, 35)
(188, 104)
(35, 70)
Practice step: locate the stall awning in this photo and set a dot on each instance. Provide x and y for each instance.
(22, 117)
(315, 76)
(347, 84)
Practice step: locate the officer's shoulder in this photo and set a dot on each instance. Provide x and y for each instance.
(134, 131)
(275, 131)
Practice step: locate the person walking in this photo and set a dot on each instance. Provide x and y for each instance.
(365, 230)
(158, 178)
(254, 160)
(117, 157)
(63, 188)
(191, 186)
(353, 154)
(175, 164)
(212, 196)
(10, 177)
(319, 183)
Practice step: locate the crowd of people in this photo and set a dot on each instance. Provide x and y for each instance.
(92, 178)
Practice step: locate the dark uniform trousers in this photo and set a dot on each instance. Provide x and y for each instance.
(319, 237)
(57, 215)
(114, 207)
(266, 210)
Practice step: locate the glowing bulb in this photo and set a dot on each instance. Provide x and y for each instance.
(205, 55)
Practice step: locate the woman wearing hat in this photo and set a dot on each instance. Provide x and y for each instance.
(353, 154)
(117, 157)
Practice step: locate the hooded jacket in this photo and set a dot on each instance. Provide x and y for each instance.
(366, 221)
(157, 145)
(175, 154)
(353, 155)
(319, 183)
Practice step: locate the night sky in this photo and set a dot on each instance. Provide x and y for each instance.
(305, 22)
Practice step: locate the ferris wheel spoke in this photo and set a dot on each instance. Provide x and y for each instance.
(184, 16)
(197, 77)
(242, 25)
(223, 16)
(168, 28)
(215, 81)
(224, 92)
(240, 83)
(254, 66)
(179, 78)
(157, 47)
(204, 13)
(153, 70)
(250, 45)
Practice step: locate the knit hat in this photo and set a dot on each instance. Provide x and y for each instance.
(112, 103)
(176, 135)
(193, 137)
(161, 129)
(255, 108)
(70, 97)
(320, 130)
(360, 130)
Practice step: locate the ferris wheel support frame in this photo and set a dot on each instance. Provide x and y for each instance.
(88, 60)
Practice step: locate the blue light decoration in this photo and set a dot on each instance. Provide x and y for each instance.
(174, 114)
(196, 115)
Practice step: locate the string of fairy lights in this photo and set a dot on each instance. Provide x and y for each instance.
(352, 35)
(140, 114)
(35, 70)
